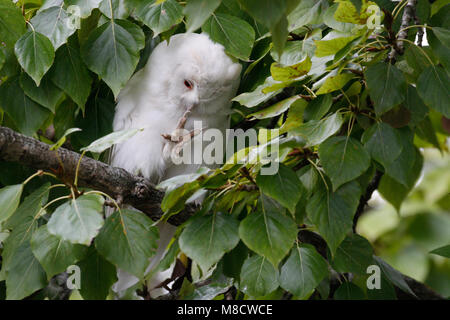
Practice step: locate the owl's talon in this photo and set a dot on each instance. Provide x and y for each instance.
(176, 141)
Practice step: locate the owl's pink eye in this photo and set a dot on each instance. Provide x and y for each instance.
(188, 84)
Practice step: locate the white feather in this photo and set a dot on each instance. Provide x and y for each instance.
(156, 98)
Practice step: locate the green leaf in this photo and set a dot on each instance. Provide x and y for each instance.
(106, 142)
(177, 181)
(344, 159)
(47, 94)
(268, 231)
(289, 73)
(383, 143)
(295, 116)
(303, 271)
(61, 140)
(24, 275)
(27, 115)
(159, 17)
(386, 291)
(432, 87)
(206, 239)
(415, 106)
(112, 51)
(128, 240)
(334, 83)
(348, 12)
(267, 12)
(174, 200)
(307, 12)
(35, 54)
(55, 254)
(328, 47)
(12, 22)
(393, 275)
(318, 107)
(330, 21)
(29, 208)
(439, 50)
(279, 34)
(198, 11)
(254, 98)
(426, 131)
(284, 186)
(12, 27)
(97, 276)
(258, 277)
(78, 220)
(291, 55)
(317, 131)
(272, 111)
(443, 35)
(86, 6)
(407, 166)
(9, 200)
(332, 212)
(416, 59)
(387, 86)
(442, 251)
(354, 255)
(349, 291)
(55, 24)
(210, 291)
(71, 75)
(114, 9)
(235, 34)
(392, 191)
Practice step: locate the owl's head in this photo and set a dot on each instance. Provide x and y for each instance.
(191, 70)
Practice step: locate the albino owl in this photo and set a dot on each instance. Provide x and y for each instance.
(189, 73)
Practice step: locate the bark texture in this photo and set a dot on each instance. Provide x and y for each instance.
(116, 182)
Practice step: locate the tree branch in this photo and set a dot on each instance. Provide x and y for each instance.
(408, 14)
(373, 185)
(116, 182)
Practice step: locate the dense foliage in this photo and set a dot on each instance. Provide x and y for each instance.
(349, 94)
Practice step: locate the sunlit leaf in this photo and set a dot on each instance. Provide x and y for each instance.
(106, 142)
(78, 220)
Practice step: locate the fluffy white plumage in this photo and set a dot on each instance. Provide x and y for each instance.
(189, 72)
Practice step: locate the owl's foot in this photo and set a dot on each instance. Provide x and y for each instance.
(176, 140)
(182, 121)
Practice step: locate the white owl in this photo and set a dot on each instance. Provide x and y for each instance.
(188, 73)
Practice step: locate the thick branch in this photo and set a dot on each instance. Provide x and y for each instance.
(408, 15)
(373, 185)
(116, 182)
